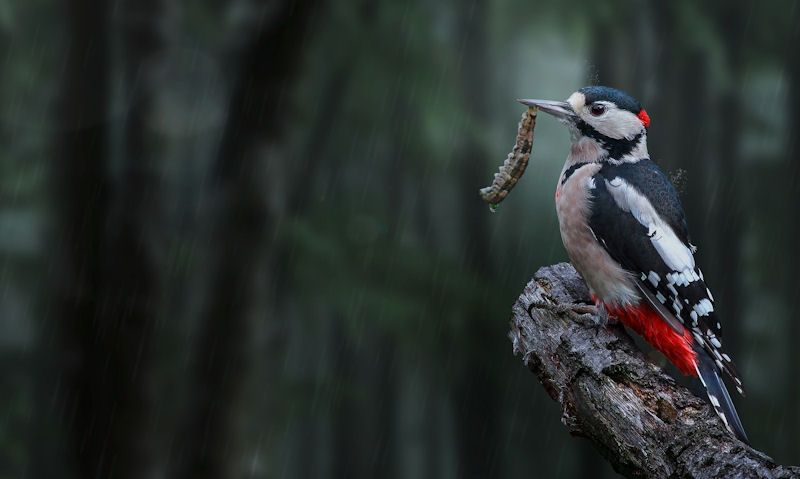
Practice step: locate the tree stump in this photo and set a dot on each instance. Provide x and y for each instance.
(642, 422)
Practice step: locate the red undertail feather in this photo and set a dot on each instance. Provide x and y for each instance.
(643, 319)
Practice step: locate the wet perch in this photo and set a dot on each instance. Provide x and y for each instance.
(516, 161)
(638, 417)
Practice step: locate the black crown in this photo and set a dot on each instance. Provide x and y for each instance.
(618, 97)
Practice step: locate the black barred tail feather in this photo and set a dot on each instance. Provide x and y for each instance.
(718, 395)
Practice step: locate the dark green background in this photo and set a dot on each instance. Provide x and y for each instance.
(243, 239)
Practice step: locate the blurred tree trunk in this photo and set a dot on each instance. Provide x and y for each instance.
(433, 414)
(395, 180)
(131, 290)
(256, 116)
(80, 202)
(681, 95)
(346, 463)
(608, 55)
(792, 162)
(727, 217)
(692, 152)
(315, 154)
(103, 285)
(310, 162)
(283, 259)
(475, 392)
(663, 107)
(602, 52)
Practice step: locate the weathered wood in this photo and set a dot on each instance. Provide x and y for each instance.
(638, 417)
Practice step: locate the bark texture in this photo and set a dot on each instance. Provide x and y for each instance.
(642, 422)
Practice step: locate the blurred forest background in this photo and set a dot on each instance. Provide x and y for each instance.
(243, 239)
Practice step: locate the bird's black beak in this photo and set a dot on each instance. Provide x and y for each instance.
(559, 109)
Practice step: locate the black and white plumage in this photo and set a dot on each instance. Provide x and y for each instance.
(625, 230)
(637, 216)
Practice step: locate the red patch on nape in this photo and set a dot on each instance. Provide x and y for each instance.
(643, 319)
(644, 117)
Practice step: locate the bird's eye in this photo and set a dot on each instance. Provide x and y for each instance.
(597, 109)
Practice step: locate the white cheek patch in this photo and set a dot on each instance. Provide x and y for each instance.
(577, 100)
(614, 123)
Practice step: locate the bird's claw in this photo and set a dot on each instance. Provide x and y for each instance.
(574, 310)
(570, 309)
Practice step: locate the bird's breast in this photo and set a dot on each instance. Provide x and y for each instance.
(606, 278)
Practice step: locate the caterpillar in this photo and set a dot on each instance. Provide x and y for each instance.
(516, 162)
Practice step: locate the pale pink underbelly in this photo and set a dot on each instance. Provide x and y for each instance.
(605, 277)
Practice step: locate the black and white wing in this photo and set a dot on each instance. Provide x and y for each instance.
(638, 218)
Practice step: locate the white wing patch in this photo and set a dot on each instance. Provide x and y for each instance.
(676, 255)
(678, 270)
(703, 308)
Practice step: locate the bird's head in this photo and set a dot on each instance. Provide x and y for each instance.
(610, 117)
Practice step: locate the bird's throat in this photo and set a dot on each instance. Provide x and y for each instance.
(605, 147)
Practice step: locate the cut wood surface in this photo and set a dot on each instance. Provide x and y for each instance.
(642, 422)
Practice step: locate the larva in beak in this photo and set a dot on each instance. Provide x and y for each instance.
(516, 162)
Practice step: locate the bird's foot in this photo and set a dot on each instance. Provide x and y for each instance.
(570, 309)
(576, 311)
(605, 319)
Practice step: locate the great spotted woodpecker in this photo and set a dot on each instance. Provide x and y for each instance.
(623, 226)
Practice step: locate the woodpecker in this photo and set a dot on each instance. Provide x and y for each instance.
(625, 231)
